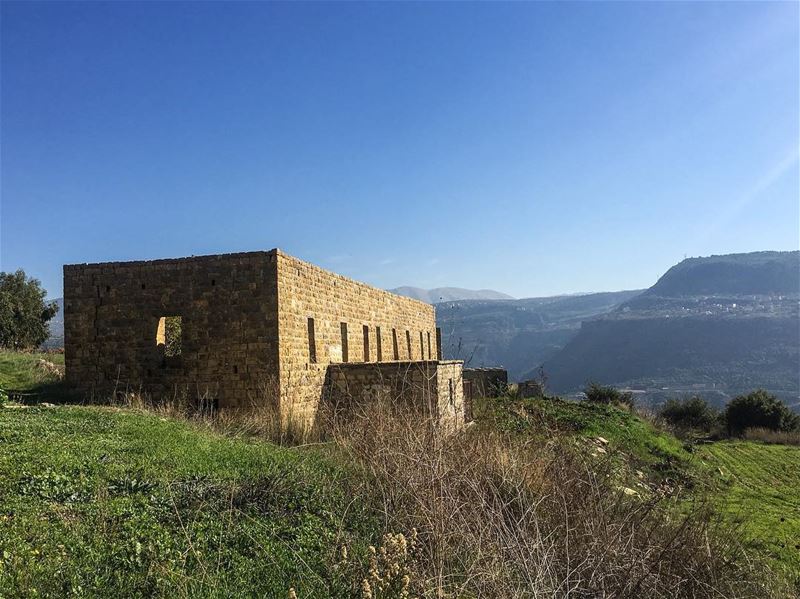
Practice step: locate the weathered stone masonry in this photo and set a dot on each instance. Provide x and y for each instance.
(228, 307)
(257, 328)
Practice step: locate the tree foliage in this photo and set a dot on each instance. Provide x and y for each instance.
(759, 409)
(608, 395)
(692, 413)
(24, 313)
(173, 336)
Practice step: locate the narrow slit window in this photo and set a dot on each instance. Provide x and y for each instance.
(312, 342)
(378, 347)
(452, 394)
(396, 353)
(408, 343)
(438, 343)
(343, 329)
(429, 345)
(365, 329)
(169, 335)
(421, 346)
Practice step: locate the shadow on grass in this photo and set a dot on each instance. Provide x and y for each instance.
(55, 392)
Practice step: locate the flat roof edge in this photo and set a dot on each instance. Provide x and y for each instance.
(283, 254)
(273, 251)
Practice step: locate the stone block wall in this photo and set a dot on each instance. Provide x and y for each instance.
(433, 388)
(450, 385)
(530, 388)
(229, 327)
(387, 321)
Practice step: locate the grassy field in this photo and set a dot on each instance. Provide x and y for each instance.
(23, 372)
(103, 502)
(759, 490)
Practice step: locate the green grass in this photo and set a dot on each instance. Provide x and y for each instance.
(110, 503)
(19, 371)
(104, 502)
(759, 490)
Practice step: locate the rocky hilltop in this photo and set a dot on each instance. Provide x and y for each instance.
(723, 324)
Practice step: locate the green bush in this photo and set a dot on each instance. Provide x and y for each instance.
(608, 395)
(692, 413)
(3, 397)
(759, 409)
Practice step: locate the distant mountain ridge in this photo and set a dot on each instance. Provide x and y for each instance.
(518, 334)
(724, 324)
(449, 294)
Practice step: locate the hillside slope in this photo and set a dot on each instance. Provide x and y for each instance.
(518, 334)
(760, 273)
(753, 487)
(723, 324)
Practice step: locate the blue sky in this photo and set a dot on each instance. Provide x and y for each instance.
(532, 148)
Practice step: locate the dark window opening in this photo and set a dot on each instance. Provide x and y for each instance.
(169, 335)
(438, 343)
(143, 285)
(408, 343)
(235, 370)
(450, 385)
(213, 282)
(429, 345)
(365, 329)
(343, 329)
(394, 345)
(108, 288)
(421, 346)
(312, 344)
(378, 343)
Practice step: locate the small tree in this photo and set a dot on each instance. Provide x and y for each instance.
(759, 409)
(608, 395)
(692, 413)
(24, 314)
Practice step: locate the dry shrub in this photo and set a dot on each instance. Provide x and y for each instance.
(497, 517)
(765, 435)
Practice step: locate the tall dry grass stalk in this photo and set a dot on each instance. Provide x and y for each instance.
(497, 517)
(765, 435)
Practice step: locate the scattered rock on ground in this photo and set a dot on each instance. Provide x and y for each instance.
(50, 368)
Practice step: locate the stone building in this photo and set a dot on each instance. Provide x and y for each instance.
(248, 330)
